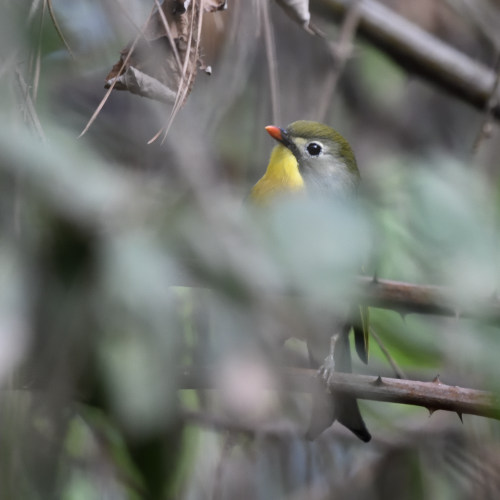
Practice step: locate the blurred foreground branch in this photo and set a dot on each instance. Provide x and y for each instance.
(418, 51)
(406, 298)
(424, 299)
(431, 395)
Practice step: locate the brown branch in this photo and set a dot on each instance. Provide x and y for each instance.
(399, 296)
(418, 51)
(431, 395)
(424, 299)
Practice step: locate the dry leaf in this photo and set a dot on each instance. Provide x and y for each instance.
(214, 5)
(208, 5)
(298, 10)
(140, 83)
(164, 61)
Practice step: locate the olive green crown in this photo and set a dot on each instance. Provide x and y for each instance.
(314, 130)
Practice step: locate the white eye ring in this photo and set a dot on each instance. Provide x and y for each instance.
(314, 148)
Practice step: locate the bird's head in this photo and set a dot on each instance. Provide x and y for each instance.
(325, 159)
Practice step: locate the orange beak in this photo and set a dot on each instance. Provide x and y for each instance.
(274, 132)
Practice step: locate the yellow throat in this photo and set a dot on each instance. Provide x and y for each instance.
(282, 176)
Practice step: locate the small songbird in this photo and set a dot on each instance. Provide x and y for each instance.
(313, 159)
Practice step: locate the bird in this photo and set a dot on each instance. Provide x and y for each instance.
(313, 159)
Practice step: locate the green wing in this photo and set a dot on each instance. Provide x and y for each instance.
(361, 325)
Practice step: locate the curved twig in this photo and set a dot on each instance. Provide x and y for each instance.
(418, 51)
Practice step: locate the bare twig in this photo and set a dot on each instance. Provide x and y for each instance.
(112, 86)
(272, 65)
(170, 37)
(486, 125)
(36, 59)
(399, 296)
(424, 299)
(29, 109)
(418, 51)
(397, 369)
(58, 29)
(186, 77)
(340, 52)
(431, 395)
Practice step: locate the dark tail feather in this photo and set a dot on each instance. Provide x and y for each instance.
(349, 415)
(328, 408)
(347, 409)
(360, 326)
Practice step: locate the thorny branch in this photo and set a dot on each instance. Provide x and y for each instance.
(402, 297)
(432, 395)
(424, 299)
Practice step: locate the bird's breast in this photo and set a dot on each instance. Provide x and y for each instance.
(282, 176)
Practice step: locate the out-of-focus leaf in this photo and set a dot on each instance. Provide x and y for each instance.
(438, 228)
(72, 180)
(318, 245)
(140, 352)
(93, 440)
(413, 341)
(14, 325)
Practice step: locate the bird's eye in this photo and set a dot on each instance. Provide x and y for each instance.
(314, 149)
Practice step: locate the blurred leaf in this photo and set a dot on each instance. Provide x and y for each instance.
(15, 329)
(413, 341)
(140, 353)
(438, 228)
(317, 245)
